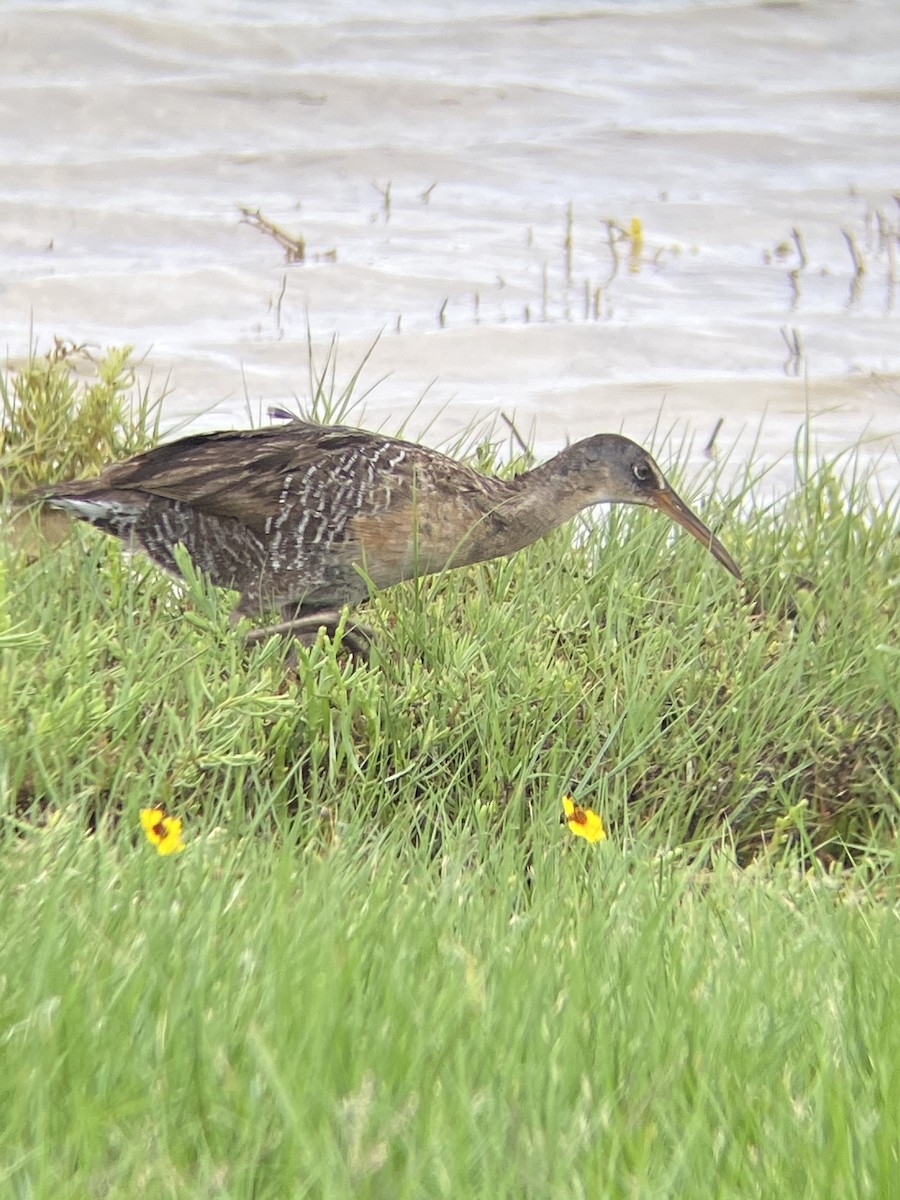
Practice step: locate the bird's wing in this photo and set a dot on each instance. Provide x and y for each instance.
(248, 474)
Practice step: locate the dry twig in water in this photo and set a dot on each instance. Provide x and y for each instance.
(294, 247)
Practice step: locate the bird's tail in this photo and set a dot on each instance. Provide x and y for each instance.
(31, 529)
(43, 518)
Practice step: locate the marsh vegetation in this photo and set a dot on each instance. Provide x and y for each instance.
(382, 966)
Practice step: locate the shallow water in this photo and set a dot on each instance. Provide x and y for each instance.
(437, 159)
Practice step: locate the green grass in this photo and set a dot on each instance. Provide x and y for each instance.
(365, 1019)
(381, 967)
(55, 424)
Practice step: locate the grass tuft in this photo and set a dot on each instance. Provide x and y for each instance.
(56, 425)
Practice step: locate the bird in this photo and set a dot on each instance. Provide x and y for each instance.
(305, 518)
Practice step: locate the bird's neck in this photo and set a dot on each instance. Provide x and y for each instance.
(534, 503)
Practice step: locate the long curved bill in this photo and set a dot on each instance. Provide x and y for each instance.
(673, 506)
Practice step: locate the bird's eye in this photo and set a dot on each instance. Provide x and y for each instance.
(641, 472)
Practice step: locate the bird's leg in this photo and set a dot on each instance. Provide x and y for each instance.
(305, 626)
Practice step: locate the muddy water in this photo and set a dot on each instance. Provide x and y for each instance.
(589, 217)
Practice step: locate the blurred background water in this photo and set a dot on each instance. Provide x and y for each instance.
(589, 217)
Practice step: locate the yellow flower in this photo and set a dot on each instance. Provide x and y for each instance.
(583, 822)
(163, 831)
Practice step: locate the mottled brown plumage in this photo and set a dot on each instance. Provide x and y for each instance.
(303, 517)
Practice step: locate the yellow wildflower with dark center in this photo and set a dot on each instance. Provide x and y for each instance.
(583, 822)
(163, 831)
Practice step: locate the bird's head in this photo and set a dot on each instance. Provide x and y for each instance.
(613, 469)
